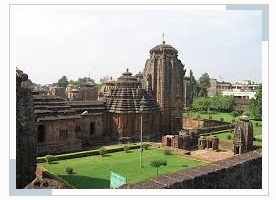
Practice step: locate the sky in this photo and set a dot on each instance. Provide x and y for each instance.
(97, 43)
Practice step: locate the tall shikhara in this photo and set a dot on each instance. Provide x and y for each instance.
(163, 79)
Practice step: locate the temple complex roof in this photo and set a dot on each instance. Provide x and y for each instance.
(162, 48)
(126, 96)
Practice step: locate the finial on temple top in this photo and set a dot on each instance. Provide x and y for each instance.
(163, 36)
(126, 69)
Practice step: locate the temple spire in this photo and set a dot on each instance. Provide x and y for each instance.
(163, 36)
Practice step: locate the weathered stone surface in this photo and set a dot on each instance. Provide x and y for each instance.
(163, 79)
(25, 133)
(46, 183)
(123, 106)
(243, 136)
(238, 172)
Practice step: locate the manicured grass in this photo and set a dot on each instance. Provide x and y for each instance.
(257, 130)
(223, 137)
(93, 171)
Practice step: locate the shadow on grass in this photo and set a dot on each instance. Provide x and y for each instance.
(85, 182)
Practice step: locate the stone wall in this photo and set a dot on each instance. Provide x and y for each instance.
(192, 123)
(238, 172)
(25, 134)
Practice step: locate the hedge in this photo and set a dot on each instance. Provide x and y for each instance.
(84, 153)
(217, 132)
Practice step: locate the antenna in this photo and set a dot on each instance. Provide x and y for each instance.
(163, 36)
(220, 78)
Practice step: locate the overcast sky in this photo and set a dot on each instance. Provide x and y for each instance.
(53, 43)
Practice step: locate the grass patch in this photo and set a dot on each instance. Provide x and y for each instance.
(92, 172)
(227, 117)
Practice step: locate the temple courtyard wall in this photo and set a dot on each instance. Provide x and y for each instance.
(238, 172)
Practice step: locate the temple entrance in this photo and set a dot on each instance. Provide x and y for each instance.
(92, 128)
(41, 133)
(169, 141)
(237, 150)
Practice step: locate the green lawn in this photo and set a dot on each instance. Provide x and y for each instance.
(257, 130)
(93, 171)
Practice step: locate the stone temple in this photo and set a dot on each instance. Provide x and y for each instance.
(163, 79)
(123, 106)
(71, 119)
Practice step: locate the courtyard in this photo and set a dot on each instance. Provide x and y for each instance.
(93, 172)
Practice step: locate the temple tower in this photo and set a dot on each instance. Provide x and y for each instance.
(163, 79)
(243, 136)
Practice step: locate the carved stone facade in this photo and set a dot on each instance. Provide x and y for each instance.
(243, 136)
(208, 143)
(184, 140)
(123, 106)
(163, 79)
(64, 126)
(25, 133)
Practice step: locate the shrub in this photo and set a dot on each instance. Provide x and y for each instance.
(210, 117)
(102, 151)
(222, 119)
(158, 163)
(50, 159)
(146, 146)
(167, 152)
(233, 120)
(237, 113)
(256, 124)
(198, 116)
(69, 170)
(246, 113)
(84, 153)
(229, 136)
(126, 148)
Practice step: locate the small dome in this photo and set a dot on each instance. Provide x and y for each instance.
(163, 47)
(89, 84)
(244, 118)
(75, 91)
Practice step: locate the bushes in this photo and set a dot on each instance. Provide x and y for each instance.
(167, 152)
(210, 117)
(237, 113)
(84, 154)
(158, 163)
(229, 136)
(50, 159)
(221, 119)
(198, 116)
(233, 120)
(146, 146)
(69, 170)
(256, 124)
(102, 151)
(126, 148)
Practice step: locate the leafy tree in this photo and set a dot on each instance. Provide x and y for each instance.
(158, 163)
(202, 104)
(62, 82)
(255, 105)
(81, 82)
(194, 83)
(204, 84)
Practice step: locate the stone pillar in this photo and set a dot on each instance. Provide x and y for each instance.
(243, 136)
(26, 136)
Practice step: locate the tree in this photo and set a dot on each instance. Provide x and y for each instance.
(204, 84)
(202, 104)
(81, 82)
(255, 104)
(158, 163)
(195, 86)
(62, 82)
